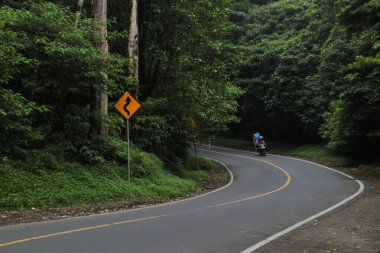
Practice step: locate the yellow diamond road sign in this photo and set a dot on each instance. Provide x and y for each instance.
(127, 105)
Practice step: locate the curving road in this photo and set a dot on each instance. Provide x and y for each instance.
(268, 197)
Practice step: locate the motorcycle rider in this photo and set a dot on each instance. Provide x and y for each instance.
(261, 140)
(255, 138)
(258, 146)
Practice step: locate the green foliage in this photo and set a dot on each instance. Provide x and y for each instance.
(49, 178)
(186, 66)
(193, 175)
(234, 143)
(188, 168)
(311, 68)
(152, 129)
(281, 41)
(50, 60)
(49, 70)
(191, 163)
(375, 168)
(321, 153)
(313, 151)
(16, 122)
(353, 120)
(82, 186)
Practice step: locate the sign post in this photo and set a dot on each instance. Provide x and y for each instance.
(194, 123)
(127, 106)
(129, 154)
(196, 154)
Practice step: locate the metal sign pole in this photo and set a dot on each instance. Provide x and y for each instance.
(127, 106)
(196, 154)
(129, 156)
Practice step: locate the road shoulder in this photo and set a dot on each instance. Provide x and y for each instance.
(353, 228)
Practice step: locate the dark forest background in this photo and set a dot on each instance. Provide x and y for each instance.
(296, 71)
(310, 72)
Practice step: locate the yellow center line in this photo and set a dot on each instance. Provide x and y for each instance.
(147, 218)
(55, 234)
(79, 230)
(288, 180)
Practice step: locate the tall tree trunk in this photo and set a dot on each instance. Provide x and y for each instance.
(99, 96)
(80, 6)
(133, 45)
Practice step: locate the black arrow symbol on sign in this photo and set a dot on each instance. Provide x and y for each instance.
(128, 100)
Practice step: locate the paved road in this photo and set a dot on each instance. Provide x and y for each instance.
(267, 195)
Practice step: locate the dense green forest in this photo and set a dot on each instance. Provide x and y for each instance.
(297, 71)
(63, 66)
(51, 67)
(311, 72)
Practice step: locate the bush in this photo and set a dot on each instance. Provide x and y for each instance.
(49, 67)
(48, 179)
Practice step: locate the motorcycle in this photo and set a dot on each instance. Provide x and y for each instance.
(261, 147)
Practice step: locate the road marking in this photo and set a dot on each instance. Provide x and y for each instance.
(79, 230)
(291, 228)
(297, 225)
(55, 234)
(288, 180)
(320, 165)
(287, 157)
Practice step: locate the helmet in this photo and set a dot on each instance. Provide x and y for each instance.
(261, 137)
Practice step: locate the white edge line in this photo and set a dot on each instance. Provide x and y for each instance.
(291, 228)
(229, 171)
(139, 208)
(297, 225)
(287, 157)
(320, 165)
(195, 197)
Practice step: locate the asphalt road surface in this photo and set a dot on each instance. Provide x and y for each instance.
(266, 195)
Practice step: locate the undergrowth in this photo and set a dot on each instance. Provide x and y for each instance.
(313, 151)
(57, 177)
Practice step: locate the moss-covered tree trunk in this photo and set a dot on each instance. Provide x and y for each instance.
(80, 6)
(133, 46)
(99, 106)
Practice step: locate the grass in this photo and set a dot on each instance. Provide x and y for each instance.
(45, 181)
(190, 168)
(313, 151)
(318, 152)
(375, 168)
(233, 143)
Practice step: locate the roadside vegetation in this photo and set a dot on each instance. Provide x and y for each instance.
(302, 71)
(311, 73)
(61, 141)
(48, 178)
(317, 152)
